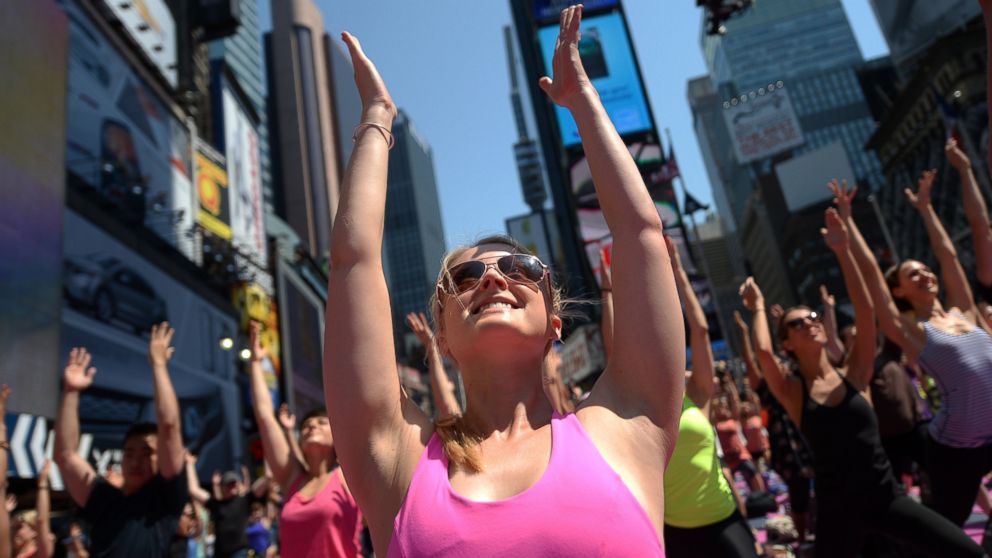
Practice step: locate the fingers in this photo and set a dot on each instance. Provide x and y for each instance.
(545, 84)
(354, 47)
(84, 358)
(90, 372)
(909, 195)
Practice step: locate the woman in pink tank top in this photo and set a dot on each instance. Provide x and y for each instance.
(319, 516)
(510, 476)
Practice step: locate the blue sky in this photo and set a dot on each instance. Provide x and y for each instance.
(445, 64)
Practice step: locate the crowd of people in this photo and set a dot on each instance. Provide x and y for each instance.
(654, 460)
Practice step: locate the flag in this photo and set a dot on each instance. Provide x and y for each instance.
(947, 112)
(669, 168)
(692, 205)
(672, 164)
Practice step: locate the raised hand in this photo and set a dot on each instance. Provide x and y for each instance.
(419, 326)
(78, 374)
(828, 299)
(921, 198)
(777, 311)
(955, 156)
(114, 477)
(160, 347)
(372, 90)
(570, 79)
(215, 478)
(835, 232)
(751, 295)
(258, 352)
(11, 503)
(605, 272)
(286, 418)
(843, 196)
(44, 472)
(741, 324)
(673, 253)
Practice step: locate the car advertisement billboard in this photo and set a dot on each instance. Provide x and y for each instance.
(244, 178)
(112, 298)
(32, 163)
(150, 24)
(762, 123)
(213, 211)
(122, 141)
(609, 61)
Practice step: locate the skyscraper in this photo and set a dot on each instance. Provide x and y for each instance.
(413, 241)
(910, 26)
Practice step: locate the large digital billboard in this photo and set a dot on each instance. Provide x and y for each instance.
(112, 297)
(609, 61)
(122, 141)
(34, 40)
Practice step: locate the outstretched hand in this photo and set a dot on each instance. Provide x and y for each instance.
(78, 374)
(828, 299)
(417, 322)
(570, 78)
(741, 324)
(160, 347)
(921, 198)
(376, 100)
(286, 418)
(843, 196)
(43, 473)
(835, 231)
(258, 352)
(751, 295)
(777, 311)
(955, 156)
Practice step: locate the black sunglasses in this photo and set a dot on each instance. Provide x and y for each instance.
(800, 322)
(519, 268)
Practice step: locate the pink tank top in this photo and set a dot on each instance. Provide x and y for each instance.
(579, 507)
(329, 524)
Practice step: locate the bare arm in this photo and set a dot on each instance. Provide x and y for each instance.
(835, 349)
(908, 336)
(77, 473)
(733, 396)
(606, 294)
(750, 362)
(215, 489)
(860, 363)
(788, 393)
(288, 422)
(646, 369)
(700, 386)
(43, 506)
(284, 465)
(987, 13)
(442, 388)
(261, 486)
(196, 492)
(170, 440)
(4, 448)
(975, 211)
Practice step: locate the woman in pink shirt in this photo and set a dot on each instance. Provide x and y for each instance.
(511, 476)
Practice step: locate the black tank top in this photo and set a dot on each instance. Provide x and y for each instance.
(847, 452)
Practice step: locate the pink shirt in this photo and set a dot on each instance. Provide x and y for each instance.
(579, 507)
(329, 524)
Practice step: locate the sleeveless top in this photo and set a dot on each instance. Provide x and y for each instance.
(961, 364)
(848, 458)
(734, 451)
(579, 507)
(696, 492)
(754, 431)
(329, 524)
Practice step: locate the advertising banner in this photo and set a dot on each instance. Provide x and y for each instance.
(256, 306)
(582, 353)
(549, 10)
(32, 177)
(122, 141)
(529, 231)
(151, 25)
(244, 179)
(112, 298)
(609, 60)
(213, 200)
(802, 177)
(762, 125)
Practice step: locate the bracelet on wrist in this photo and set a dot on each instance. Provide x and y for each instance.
(386, 133)
(4, 445)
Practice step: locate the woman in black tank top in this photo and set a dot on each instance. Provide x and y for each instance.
(856, 491)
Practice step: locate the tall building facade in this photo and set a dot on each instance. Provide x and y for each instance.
(242, 54)
(910, 26)
(413, 241)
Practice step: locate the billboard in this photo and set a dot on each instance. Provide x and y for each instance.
(150, 24)
(122, 141)
(529, 231)
(582, 353)
(762, 123)
(549, 10)
(609, 61)
(804, 178)
(213, 211)
(34, 35)
(244, 178)
(112, 297)
(302, 331)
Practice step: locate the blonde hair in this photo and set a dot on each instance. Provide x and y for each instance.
(459, 440)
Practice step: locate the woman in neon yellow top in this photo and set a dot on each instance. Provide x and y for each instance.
(701, 514)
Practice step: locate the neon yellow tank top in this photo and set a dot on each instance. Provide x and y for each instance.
(696, 492)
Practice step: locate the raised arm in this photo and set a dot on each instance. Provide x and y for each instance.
(835, 348)
(700, 386)
(975, 211)
(196, 492)
(170, 434)
(4, 448)
(747, 352)
(788, 393)
(386, 433)
(287, 420)
(285, 467)
(76, 472)
(216, 492)
(442, 388)
(646, 371)
(43, 506)
(905, 334)
(606, 297)
(987, 16)
(860, 362)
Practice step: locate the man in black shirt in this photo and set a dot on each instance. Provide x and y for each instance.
(140, 518)
(229, 508)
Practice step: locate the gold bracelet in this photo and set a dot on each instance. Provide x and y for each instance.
(4, 445)
(390, 140)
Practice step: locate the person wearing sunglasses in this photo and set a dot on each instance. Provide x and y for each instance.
(511, 476)
(855, 488)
